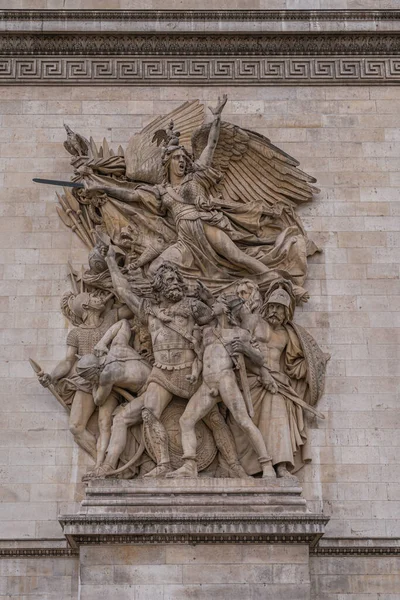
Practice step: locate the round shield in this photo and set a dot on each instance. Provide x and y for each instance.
(206, 448)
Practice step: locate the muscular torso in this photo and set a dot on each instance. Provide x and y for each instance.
(216, 357)
(171, 347)
(271, 342)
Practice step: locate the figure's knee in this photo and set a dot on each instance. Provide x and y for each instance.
(186, 423)
(76, 429)
(153, 404)
(244, 421)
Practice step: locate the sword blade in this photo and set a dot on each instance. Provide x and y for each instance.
(70, 184)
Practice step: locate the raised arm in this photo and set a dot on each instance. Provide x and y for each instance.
(121, 284)
(206, 156)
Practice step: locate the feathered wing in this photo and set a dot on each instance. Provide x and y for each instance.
(254, 169)
(143, 156)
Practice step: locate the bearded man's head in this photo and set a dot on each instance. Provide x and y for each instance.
(168, 282)
(249, 292)
(276, 310)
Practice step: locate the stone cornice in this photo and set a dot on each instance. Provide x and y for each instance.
(38, 552)
(326, 547)
(219, 529)
(234, 47)
(201, 15)
(200, 44)
(356, 547)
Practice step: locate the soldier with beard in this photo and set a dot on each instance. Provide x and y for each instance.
(177, 366)
(278, 408)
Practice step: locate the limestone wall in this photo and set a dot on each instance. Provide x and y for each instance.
(39, 579)
(355, 578)
(179, 572)
(348, 138)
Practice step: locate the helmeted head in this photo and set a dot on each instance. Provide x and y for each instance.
(277, 307)
(89, 367)
(248, 291)
(176, 162)
(176, 159)
(168, 282)
(83, 303)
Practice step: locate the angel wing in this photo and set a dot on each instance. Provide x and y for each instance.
(143, 156)
(254, 169)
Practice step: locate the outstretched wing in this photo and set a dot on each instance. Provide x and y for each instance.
(143, 156)
(254, 169)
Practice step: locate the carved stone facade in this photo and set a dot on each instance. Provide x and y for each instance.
(345, 137)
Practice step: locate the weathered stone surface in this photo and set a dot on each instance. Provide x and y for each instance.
(264, 574)
(361, 285)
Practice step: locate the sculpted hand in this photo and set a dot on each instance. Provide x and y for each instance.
(238, 347)
(45, 380)
(268, 382)
(219, 308)
(92, 187)
(220, 106)
(203, 293)
(100, 350)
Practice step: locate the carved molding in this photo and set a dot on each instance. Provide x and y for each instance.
(199, 47)
(310, 44)
(38, 552)
(199, 71)
(200, 15)
(221, 529)
(355, 551)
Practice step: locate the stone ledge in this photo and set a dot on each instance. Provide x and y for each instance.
(232, 47)
(128, 529)
(357, 547)
(192, 22)
(193, 510)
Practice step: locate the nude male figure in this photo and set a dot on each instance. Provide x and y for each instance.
(118, 366)
(171, 321)
(221, 341)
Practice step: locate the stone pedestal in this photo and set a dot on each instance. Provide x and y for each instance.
(194, 538)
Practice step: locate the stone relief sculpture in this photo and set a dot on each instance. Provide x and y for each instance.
(184, 359)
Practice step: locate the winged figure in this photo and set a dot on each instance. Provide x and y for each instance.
(215, 199)
(193, 212)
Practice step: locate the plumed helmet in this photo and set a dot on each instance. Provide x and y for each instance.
(279, 296)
